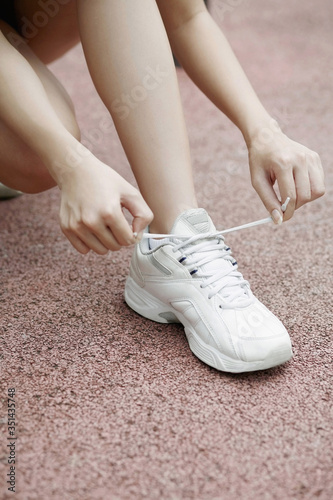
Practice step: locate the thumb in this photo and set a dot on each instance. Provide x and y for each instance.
(142, 215)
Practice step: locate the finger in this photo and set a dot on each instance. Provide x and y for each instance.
(317, 181)
(76, 242)
(102, 234)
(286, 183)
(142, 215)
(117, 225)
(107, 238)
(263, 185)
(302, 185)
(90, 240)
(80, 230)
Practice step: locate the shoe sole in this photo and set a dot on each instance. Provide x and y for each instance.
(7, 193)
(152, 308)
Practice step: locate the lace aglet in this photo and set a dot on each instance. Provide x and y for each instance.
(225, 231)
(285, 204)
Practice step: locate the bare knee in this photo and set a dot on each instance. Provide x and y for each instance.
(40, 180)
(30, 177)
(20, 167)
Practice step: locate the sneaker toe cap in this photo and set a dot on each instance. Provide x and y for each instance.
(258, 335)
(273, 350)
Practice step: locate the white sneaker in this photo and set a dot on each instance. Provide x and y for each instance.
(193, 279)
(6, 192)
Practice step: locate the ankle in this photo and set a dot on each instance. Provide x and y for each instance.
(163, 222)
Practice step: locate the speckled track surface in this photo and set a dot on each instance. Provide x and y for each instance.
(113, 406)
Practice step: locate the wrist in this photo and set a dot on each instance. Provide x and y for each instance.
(261, 131)
(65, 157)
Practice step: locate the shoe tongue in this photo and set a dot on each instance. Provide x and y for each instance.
(192, 222)
(197, 221)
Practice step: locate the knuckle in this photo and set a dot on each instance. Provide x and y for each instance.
(109, 215)
(134, 193)
(148, 216)
(315, 156)
(303, 156)
(284, 160)
(75, 226)
(317, 192)
(90, 222)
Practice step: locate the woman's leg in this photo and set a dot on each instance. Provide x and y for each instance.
(92, 194)
(20, 167)
(48, 26)
(131, 64)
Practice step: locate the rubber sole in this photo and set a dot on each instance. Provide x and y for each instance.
(6, 192)
(152, 308)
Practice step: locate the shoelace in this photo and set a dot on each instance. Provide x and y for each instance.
(225, 231)
(227, 279)
(217, 233)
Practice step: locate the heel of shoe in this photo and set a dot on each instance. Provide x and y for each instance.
(146, 305)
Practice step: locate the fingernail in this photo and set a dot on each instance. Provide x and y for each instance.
(276, 216)
(138, 236)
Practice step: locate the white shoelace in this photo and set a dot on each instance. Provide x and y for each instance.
(225, 231)
(217, 233)
(200, 257)
(225, 279)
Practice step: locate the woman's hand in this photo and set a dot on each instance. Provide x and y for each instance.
(297, 170)
(91, 217)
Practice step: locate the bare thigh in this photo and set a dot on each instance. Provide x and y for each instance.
(49, 27)
(20, 168)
